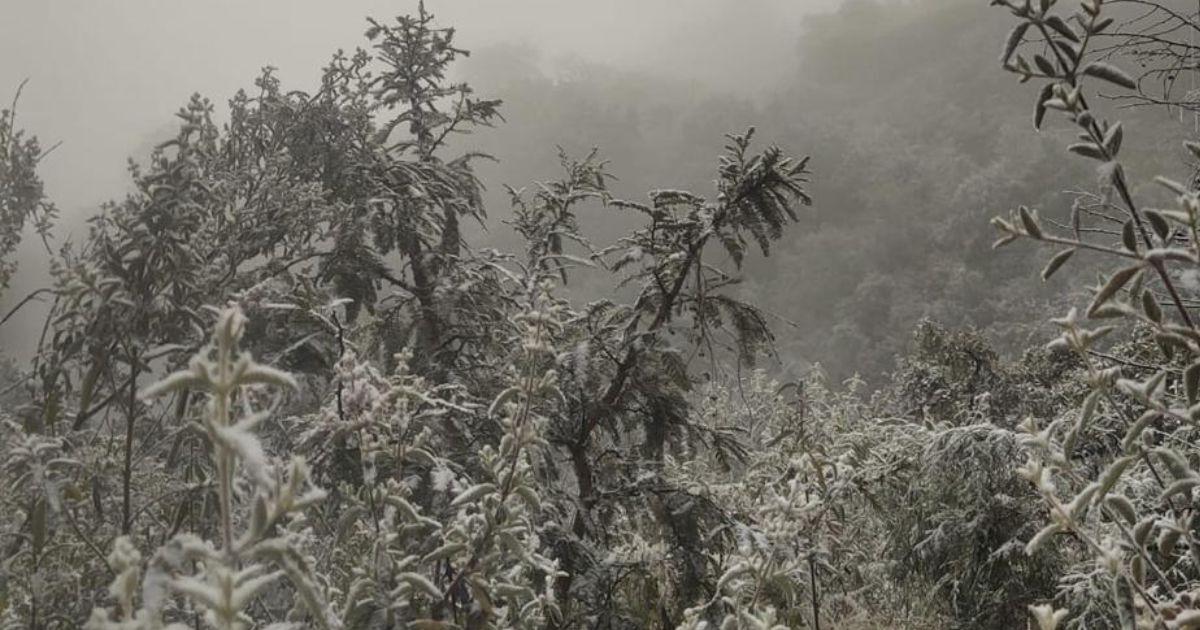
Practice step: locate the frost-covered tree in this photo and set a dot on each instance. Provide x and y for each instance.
(22, 198)
(482, 441)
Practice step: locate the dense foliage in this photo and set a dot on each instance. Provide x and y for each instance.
(22, 199)
(278, 386)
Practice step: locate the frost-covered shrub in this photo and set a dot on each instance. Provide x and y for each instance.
(261, 505)
(1115, 474)
(445, 539)
(956, 378)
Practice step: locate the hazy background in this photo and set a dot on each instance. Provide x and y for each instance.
(917, 136)
(105, 75)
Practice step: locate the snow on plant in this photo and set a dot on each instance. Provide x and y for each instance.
(1129, 508)
(771, 560)
(35, 475)
(786, 501)
(257, 543)
(444, 541)
(22, 198)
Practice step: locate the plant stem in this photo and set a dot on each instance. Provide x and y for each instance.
(127, 470)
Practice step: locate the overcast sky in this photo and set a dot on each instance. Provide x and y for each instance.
(107, 74)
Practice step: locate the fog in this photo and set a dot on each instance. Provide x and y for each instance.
(104, 76)
(901, 105)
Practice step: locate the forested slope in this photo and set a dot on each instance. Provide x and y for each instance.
(918, 144)
(326, 365)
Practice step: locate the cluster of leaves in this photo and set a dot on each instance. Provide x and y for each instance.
(884, 516)
(22, 198)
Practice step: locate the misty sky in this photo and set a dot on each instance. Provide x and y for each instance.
(107, 74)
